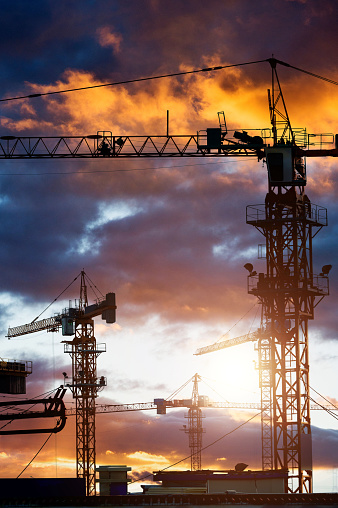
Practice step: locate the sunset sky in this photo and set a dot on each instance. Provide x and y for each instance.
(167, 236)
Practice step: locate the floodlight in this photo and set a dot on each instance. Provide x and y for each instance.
(240, 467)
(325, 270)
(249, 267)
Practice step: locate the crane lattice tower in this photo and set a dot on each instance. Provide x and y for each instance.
(85, 386)
(195, 429)
(289, 292)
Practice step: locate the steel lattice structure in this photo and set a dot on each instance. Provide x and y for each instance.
(288, 292)
(265, 383)
(195, 429)
(85, 384)
(83, 352)
(105, 145)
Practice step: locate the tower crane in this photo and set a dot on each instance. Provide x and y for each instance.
(194, 416)
(195, 430)
(265, 382)
(289, 290)
(78, 321)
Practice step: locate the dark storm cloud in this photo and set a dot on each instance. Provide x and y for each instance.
(41, 39)
(175, 231)
(37, 228)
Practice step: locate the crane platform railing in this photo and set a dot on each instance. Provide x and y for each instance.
(210, 142)
(316, 214)
(109, 146)
(16, 366)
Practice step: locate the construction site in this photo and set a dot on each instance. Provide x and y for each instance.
(287, 292)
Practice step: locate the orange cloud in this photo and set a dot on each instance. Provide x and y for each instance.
(108, 38)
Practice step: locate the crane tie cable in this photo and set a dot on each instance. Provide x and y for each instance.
(272, 62)
(55, 299)
(206, 69)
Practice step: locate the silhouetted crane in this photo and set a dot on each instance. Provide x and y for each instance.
(289, 290)
(78, 321)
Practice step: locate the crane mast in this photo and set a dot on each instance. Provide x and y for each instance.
(288, 291)
(195, 429)
(84, 352)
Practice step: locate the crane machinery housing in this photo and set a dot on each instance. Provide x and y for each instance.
(288, 291)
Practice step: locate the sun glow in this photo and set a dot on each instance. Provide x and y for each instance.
(232, 374)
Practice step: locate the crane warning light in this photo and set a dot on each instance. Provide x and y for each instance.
(284, 168)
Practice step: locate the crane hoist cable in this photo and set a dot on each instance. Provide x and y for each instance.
(55, 299)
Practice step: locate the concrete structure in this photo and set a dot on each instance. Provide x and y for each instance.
(254, 482)
(214, 482)
(113, 480)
